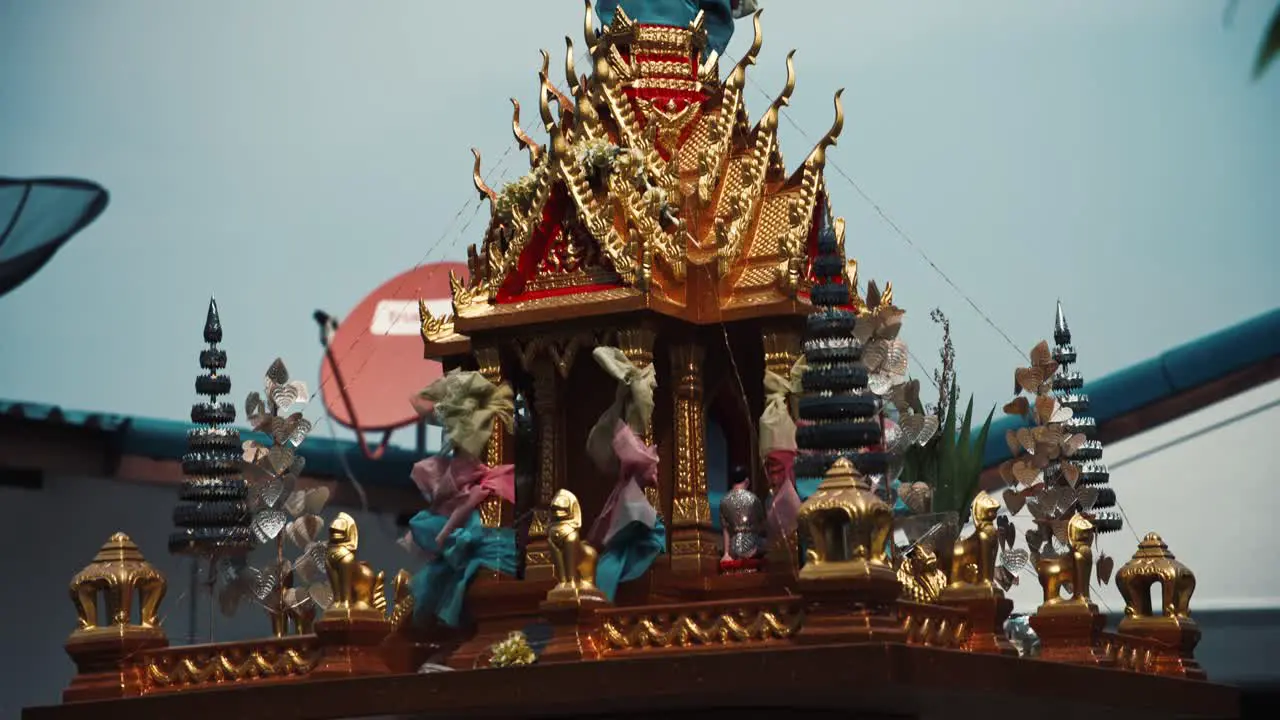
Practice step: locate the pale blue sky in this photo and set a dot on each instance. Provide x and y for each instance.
(289, 155)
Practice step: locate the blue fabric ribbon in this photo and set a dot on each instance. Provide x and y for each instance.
(629, 553)
(718, 19)
(440, 588)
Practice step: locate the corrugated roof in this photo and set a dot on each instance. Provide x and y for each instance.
(1174, 371)
(167, 440)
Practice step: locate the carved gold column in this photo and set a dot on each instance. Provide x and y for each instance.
(495, 452)
(693, 542)
(781, 350)
(546, 408)
(637, 345)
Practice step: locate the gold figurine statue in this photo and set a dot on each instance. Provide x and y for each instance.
(922, 580)
(117, 573)
(973, 562)
(572, 557)
(358, 591)
(1074, 568)
(401, 611)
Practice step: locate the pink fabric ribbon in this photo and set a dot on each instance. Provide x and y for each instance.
(779, 466)
(455, 486)
(637, 463)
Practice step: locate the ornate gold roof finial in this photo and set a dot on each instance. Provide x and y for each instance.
(484, 190)
(558, 145)
(738, 77)
(770, 120)
(564, 101)
(588, 28)
(818, 157)
(522, 138)
(117, 573)
(570, 72)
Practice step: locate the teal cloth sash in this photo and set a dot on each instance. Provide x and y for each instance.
(440, 588)
(629, 553)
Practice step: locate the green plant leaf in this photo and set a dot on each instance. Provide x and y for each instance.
(1270, 46)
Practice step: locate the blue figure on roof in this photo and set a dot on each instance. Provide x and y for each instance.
(718, 15)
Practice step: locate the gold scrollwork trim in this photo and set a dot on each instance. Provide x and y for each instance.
(555, 301)
(182, 668)
(684, 629)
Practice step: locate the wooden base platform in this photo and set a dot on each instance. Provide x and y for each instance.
(870, 680)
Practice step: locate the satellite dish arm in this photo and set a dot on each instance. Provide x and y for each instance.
(328, 325)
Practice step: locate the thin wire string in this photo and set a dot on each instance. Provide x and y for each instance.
(884, 216)
(477, 203)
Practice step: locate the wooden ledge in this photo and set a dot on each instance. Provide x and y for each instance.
(898, 680)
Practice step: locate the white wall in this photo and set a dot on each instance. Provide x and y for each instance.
(54, 532)
(1214, 499)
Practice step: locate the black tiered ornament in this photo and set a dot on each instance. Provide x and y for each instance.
(838, 413)
(213, 518)
(1093, 473)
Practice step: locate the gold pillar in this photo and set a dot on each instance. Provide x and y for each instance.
(637, 345)
(495, 452)
(693, 542)
(781, 350)
(546, 408)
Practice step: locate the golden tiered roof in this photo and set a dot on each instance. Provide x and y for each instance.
(654, 191)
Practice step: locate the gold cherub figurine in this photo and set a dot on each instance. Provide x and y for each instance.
(358, 591)
(572, 557)
(1074, 568)
(922, 580)
(973, 562)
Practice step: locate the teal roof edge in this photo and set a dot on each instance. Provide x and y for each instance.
(167, 440)
(1174, 371)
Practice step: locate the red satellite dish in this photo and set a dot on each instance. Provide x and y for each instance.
(373, 362)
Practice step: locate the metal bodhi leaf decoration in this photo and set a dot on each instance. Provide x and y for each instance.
(289, 588)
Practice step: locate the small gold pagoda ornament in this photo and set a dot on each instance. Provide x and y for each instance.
(846, 528)
(1172, 624)
(849, 585)
(118, 574)
(572, 557)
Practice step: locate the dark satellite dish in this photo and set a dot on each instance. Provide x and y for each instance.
(373, 359)
(36, 217)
